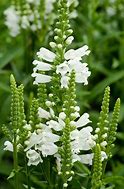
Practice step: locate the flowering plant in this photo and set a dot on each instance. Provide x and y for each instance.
(56, 136)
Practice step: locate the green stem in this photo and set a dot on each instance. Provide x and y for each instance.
(15, 158)
(27, 174)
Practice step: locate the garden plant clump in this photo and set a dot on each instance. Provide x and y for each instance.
(50, 140)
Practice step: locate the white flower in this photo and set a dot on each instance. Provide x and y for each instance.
(69, 40)
(64, 81)
(77, 54)
(62, 115)
(46, 54)
(63, 69)
(12, 21)
(8, 146)
(34, 139)
(57, 126)
(43, 113)
(58, 162)
(82, 121)
(41, 78)
(34, 157)
(47, 136)
(48, 148)
(46, 142)
(42, 66)
(86, 158)
(103, 155)
(82, 140)
(103, 144)
(43, 141)
(81, 71)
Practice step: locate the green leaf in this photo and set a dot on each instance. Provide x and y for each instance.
(114, 77)
(10, 55)
(114, 179)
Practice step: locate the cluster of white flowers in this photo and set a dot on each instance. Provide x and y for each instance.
(12, 21)
(29, 17)
(43, 141)
(72, 62)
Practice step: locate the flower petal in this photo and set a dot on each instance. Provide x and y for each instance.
(42, 66)
(41, 78)
(46, 54)
(43, 113)
(83, 120)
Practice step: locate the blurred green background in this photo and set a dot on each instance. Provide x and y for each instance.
(100, 25)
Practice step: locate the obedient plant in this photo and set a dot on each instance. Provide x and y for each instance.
(27, 15)
(55, 131)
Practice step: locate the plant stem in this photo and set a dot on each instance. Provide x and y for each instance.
(27, 174)
(15, 158)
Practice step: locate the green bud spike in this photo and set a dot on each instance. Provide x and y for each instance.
(66, 153)
(113, 127)
(7, 132)
(97, 168)
(42, 95)
(22, 116)
(69, 97)
(103, 118)
(14, 103)
(34, 120)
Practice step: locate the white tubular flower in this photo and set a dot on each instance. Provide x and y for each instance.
(82, 140)
(103, 155)
(12, 21)
(34, 139)
(82, 121)
(46, 143)
(75, 157)
(46, 54)
(62, 115)
(57, 126)
(86, 139)
(63, 69)
(48, 148)
(64, 81)
(47, 136)
(8, 146)
(86, 158)
(58, 162)
(77, 54)
(69, 40)
(103, 144)
(81, 71)
(41, 78)
(41, 66)
(43, 113)
(34, 157)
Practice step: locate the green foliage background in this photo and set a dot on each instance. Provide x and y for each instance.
(100, 25)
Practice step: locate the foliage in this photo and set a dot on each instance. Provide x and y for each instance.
(100, 25)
